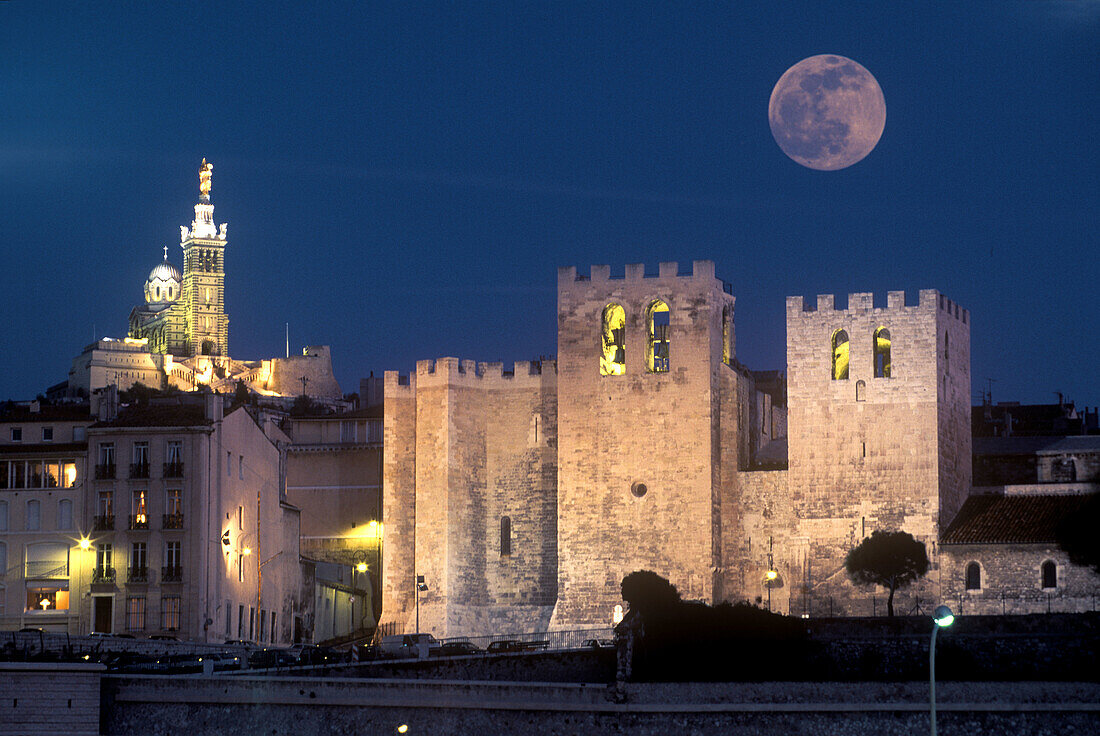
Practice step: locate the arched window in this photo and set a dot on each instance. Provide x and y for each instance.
(505, 536)
(727, 336)
(64, 514)
(34, 516)
(973, 576)
(882, 353)
(657, 325)
(840, 355)
(613, 341)
(1049, 575)
(861, 390)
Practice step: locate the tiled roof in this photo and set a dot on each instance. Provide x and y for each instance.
(1011, 519)
(60, 413)
(158, 416)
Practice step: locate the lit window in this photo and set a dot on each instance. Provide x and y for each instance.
(135, 613)
(973, 576)
(840, 355)
(657, 337)
(1050, 575)
(170, 612)
(613, 338)
(54, 597)
(882, 353)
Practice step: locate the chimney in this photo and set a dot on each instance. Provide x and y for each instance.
(214, 407)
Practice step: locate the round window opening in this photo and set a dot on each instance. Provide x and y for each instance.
(639, 489)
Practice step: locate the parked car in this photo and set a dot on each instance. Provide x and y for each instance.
(406, 645)
(504, 645)
(163, 637)
(263, 658)
(366, 652)
(310, 654)
(454, 648)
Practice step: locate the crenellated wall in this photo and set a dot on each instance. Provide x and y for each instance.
(661, 430)
(483, 445)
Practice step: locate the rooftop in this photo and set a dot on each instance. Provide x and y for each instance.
(1011, 519)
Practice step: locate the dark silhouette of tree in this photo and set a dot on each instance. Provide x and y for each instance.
(241, 395)
(890, 559)
(648, 593)
(1077, 536)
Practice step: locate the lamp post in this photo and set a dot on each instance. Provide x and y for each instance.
(421, 586)
(942, 618)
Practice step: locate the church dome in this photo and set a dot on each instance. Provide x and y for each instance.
(163, 284)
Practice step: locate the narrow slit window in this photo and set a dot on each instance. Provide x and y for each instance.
(882, 353)
(840, 355)
(657, 328)
(727, 336)
(505, 536)
(613, 340)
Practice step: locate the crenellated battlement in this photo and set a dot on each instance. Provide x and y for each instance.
(700, 271)
(523, 373)
(864, 303)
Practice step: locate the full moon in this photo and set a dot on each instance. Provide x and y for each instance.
(827, 112)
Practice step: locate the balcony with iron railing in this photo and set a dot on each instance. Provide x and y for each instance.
(103, 523)
(139, 470)
(105, 471)
(46, 569)
(138, 575)
(173, 470)
(171, 574)
(103, 575)
(139, 521)
(172, 521)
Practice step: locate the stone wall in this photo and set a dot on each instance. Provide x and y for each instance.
(660, 430)
(1011, 580)
(870, 453)
(484, 450)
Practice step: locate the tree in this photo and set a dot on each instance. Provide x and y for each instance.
(648, 593)
(1076, 534)
(890, 559)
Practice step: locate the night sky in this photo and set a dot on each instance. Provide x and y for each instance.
(403, 182)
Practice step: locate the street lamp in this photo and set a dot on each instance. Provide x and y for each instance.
(942, 617)
(421, 587)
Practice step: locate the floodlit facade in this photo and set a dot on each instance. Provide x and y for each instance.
(42, 480)
(523, 496)
(191, 534)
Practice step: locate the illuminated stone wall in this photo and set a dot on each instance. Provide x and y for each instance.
(871, 453)
(483, 446)
(658, 429)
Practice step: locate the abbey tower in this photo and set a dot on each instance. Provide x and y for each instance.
(524, 497)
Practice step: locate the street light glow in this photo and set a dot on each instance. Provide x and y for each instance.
(85, 543)
(361, 567)
(943, 616)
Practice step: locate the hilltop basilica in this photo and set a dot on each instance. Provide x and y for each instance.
(180, 336)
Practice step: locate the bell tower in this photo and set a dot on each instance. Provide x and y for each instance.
(206, 324)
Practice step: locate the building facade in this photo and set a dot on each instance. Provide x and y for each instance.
(191, 534)
(522, 497)
(42, 482)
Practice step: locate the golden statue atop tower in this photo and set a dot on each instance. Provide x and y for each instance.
(204, 179)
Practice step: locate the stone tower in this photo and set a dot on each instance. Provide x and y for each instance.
(206, 324)
(646, 401)
(879, 421)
